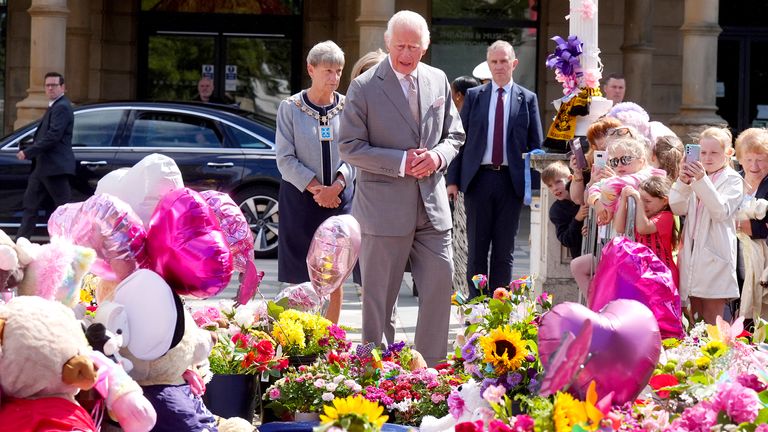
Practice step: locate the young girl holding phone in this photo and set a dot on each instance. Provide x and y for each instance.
(708, 192)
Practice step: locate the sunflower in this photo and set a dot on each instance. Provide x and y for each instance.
(504, 349)
(354, 410)
(568, 412)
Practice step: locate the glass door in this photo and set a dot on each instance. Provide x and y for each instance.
(257, 72)
(175, 65)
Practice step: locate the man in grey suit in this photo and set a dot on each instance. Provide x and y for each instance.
(401, 130)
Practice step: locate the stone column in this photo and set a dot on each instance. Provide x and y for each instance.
(373, 18)
(79, 49)
(48, 34)
(550, 265)
(638, 51)
(700, 30)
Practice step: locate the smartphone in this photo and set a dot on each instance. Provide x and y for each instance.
(601, 158)
(578, 151)
(692, 152)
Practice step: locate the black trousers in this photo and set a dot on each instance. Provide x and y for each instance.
(493, 215)
(39, 190)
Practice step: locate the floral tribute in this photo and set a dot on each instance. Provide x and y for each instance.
(353, 413)
(242, 346)
(499, 346)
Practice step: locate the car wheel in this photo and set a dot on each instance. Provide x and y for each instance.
(260, 207)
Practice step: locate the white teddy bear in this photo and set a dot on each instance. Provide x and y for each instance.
(473, 407)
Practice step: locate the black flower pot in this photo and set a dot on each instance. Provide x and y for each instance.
(302, 360)
(232, 396)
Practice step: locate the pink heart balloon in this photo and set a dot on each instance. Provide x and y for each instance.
(234, 226)
(625, 346)
(186, 246)
(333, 253)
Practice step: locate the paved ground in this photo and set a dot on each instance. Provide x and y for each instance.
(407, 308)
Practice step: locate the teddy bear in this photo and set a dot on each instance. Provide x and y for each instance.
(162, 341)
(468, 406)
(45, 361)
(14, 257)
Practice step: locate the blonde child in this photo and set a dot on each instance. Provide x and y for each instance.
(667, 155)
(654, 222)
(708, 192)
(628, 158)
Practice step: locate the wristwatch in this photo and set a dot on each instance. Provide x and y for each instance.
(342, 182)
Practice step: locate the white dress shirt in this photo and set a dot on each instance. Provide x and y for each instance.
(488, 154)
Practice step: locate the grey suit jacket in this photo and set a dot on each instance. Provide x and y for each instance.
(377, 128)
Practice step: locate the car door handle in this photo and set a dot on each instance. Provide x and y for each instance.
(220, 164)
(93, 163)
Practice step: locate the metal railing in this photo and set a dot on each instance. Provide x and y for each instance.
(593, 243)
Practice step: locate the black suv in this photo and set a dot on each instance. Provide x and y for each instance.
(216, 147)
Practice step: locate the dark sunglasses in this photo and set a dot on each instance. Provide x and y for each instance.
(620, 131)
(624, 160)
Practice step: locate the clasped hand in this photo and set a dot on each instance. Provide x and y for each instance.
(325, 196)
(421, 162)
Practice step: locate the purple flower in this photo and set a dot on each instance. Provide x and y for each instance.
(487, 382)
(530, 358)
(739, 402)
(468, 351)
(513, 380)
(532, 386)
(393, 349)
(751, 381)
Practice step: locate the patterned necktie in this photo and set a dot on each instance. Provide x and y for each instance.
(497, 157)
(413, 97)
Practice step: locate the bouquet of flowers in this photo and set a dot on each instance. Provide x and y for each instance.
(408, 396)
(499, 346)
(246, 353)
(303, 333)
(354, 414)
(308, 388)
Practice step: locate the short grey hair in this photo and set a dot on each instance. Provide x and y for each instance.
(408, 19)
(500, 44)
(326, 53)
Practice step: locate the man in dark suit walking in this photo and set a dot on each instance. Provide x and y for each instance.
(501, 120)
(53, 161)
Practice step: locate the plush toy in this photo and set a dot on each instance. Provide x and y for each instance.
(11, 266)
(467, 405)
(162, 342)
(753, 209)
(45, 360)
(57, 271)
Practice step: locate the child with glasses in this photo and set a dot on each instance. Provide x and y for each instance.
(654, 222)
(597, 135)
(708, 192)
(627, 157)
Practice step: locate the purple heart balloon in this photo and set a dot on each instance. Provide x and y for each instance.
(625, 346)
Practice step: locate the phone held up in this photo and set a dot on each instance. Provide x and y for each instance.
(692, 152)
(577, 148)
(601, 158)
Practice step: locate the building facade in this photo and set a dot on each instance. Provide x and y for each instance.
(688, 62)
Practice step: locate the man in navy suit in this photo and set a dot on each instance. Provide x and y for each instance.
(501, 120)
(53, 161)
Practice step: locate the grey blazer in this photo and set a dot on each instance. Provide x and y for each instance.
(377, 128)
(297, 144)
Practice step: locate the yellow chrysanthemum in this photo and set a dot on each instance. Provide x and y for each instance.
(714, 348)
(504, 349)
(703, 362)
(568, 412)
(289, 334)
(357, 409)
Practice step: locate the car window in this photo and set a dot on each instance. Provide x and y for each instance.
(96, 128)
(155, 129)
(246, 140)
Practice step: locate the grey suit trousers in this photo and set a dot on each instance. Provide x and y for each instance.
(432, 269)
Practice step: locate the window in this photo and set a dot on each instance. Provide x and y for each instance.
(246, 140)
(96, 128)
(174, 130)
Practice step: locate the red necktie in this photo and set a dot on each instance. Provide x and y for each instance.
(497, 157)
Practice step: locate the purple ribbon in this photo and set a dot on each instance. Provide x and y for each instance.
(566, 55)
